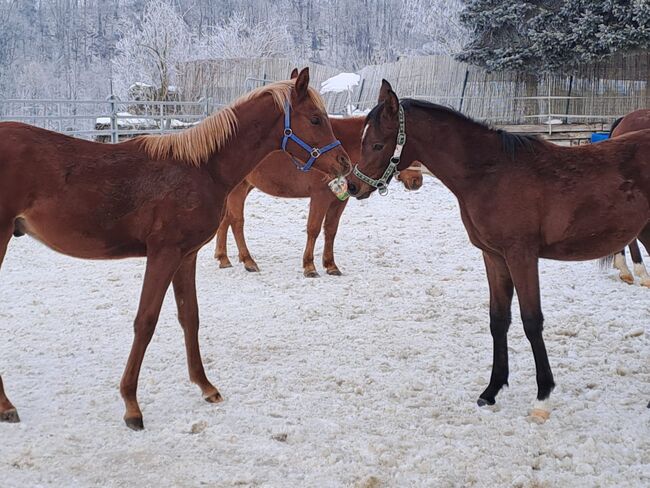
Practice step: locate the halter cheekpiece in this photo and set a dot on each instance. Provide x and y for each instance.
(382, 183)
(314, 152)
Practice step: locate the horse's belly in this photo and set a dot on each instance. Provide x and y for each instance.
(73, 242)
(601, 225)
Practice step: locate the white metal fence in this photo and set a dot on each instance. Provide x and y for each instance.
(107, 120)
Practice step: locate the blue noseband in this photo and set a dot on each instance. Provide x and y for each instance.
(314, 152)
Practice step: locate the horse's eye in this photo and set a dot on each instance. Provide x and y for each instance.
(315, 120)
(377, 147)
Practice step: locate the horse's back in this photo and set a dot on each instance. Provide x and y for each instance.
(634, 121)
(94, 200)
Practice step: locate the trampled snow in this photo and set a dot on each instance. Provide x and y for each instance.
(367, 380)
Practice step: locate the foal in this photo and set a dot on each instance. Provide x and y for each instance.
(637, 120)
(521, 199)
(276, 176)
(159, 197)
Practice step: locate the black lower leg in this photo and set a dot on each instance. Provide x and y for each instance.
(533, 326)
(499, 328)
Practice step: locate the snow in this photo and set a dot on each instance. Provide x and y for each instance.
(125, 119)
(340, 83)
(366, 380)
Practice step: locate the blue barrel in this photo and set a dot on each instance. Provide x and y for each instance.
(599, 136)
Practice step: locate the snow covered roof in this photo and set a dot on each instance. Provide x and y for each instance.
(340, 83)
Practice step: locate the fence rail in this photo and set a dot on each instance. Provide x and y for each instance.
(111, 120)
(107, 120)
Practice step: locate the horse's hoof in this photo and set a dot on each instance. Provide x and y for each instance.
(483, 402)
(311, 274)
(214, 398)
(645, 283)
(539, 415)
(252, 268)
(134, 423)
(225, 264)
(334, 272)
(10, 416)
(627, 278)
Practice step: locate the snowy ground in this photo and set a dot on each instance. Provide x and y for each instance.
(365, 380)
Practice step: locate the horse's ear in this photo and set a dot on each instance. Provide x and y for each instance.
(391, 105)
(294, 73)
(384, 90)
(302, 83)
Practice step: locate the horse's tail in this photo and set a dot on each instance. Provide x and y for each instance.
(606, 262)
(614, 125)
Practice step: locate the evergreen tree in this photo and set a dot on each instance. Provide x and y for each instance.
(552, 35)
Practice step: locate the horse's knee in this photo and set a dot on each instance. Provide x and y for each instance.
(500, 323)
(533, 325)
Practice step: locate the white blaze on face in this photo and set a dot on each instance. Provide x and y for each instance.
(363, 134)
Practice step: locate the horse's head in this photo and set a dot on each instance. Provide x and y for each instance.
(308, 136)
(381, 145)
(411, 177)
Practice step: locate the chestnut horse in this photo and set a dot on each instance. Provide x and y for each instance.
(276, 176)
(159, 197)
(521, 199)
(637, 120)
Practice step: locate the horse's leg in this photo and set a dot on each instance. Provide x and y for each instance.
(317, 210)
(184, 283)
(236, 201)
(8, 412)
(639, 267)
(524, 271)
(332, 218)
(644, 238)
(160, 270)
(501, 289)
(621, 265)
(221, 249)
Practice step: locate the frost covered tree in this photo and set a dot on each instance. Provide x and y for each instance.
(150, 49)
(552, 35)
(438, 23)
(239, 38)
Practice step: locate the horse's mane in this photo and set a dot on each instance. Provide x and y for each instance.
(614, 125)
(196, 144)
(510, 143)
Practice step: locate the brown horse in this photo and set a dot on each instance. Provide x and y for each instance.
(521, 199)
(276, 176)
(637, 120)
(159, 197)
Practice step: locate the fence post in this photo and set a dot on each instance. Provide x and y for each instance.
(114, 129)
(162, 118)
(568, 100)
(462, 93)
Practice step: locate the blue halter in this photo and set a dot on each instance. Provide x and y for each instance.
(314, 152)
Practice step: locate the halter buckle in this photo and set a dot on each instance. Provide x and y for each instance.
(382, 189)
(288, 132)
(315, 153)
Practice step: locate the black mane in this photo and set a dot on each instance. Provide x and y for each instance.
(614, 125)
(511, 143)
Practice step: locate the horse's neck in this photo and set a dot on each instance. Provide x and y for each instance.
(348, 131)
(258, 133)
(449, 149)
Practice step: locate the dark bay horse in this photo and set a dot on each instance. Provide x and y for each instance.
(276, 176)
(159, 197)
(521, 199)
(637, 120)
